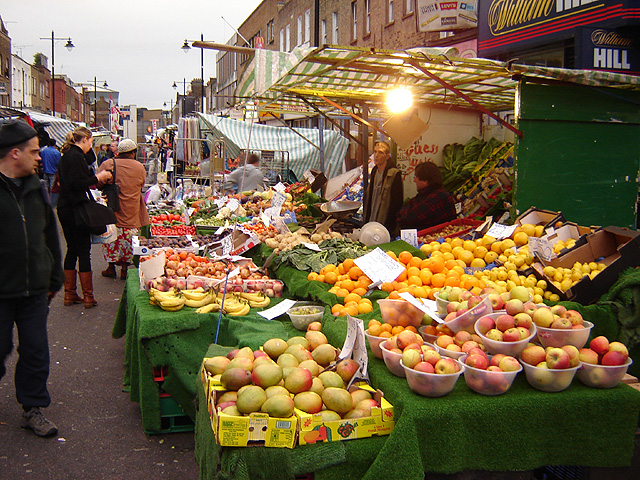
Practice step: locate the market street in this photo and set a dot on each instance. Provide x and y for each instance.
(100, 430)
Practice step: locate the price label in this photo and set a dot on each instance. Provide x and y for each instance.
(312, 246)
(280, 226)
(432, 312)
(458, 208)
(220, 202)
(265, 219)
(309, 176)
(355, 347)
(541, 247)
(278, 200)
(277, 310)
(220, 230)
(187, 214)
(379, 266)
(279, 187)
(410, 236)
(500, 231)
(227, 245)
(233, 204)
(272, 212)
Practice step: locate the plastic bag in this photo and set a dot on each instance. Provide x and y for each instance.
(109, 236)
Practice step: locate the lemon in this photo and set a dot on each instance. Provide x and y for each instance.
(521, 238)
(529, 229)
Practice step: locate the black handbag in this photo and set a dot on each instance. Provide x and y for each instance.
(94, 216)
(111, 192)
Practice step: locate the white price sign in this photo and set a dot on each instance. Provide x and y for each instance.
(265, 219)
(410, 236)
(500, 231)
(279, 187)
(312, 246)
(278, 310)
(278, 200)
(227, 245)
(421, 306)
(541, 247)
(233, 204)
(379, 266)
(355, 347)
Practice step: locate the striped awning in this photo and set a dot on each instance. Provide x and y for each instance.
(57, 128)
(302, 80)
(303, 155)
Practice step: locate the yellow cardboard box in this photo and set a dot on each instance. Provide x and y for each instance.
(313, 429)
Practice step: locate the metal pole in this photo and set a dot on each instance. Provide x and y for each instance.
(95, 102)
(53, 76)
(202, 74)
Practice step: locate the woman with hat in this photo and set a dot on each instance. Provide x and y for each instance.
(130, 175)
(75, 181)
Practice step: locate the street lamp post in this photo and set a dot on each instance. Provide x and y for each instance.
(95, 100)
(69, 46)
(185, 48)
(184, 90)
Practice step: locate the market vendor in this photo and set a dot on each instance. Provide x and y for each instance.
(385, 192)
(246, 177)
(432, 205)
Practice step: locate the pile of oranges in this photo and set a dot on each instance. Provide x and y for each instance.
(385, 330)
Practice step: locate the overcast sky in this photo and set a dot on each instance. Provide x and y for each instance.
(133, 45)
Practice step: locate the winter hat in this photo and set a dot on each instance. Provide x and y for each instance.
(127, 145)
(15, 133)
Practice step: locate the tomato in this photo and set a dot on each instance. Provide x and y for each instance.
(163, 216)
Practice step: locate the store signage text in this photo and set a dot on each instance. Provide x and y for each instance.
(611, 58)
(607, 49)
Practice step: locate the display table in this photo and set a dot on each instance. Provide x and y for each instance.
(521, 430)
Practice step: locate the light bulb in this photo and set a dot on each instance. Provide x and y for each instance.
(399, 99)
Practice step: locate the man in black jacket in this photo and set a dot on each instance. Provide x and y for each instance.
(31, 272)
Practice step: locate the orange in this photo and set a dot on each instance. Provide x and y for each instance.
(335, 308)
(448, 256)
(327, 268)
(469, 245)
(452, 282)
(373, 321)
(470, 282)
(456, 242)
(424, 264)
(400, 285)
(421, 292)
(340, 269)
(411, 328)
(365, 300)
(449, 264)
(375, 330)
(405, 257)
(415, 262)
(352, 310)
(414, 280)
(386, 287)
(445, 247)
(393, 295)
(348, 285)
(342, 292)
(396, 330)
(359, 290)
(459, 269)
(413, 271)
(364, 308)
(351, 297)
(363, 281)
(330, 277)
(425, 276)
(385, 335)
(405, 320)
(392, 254)
(355, 272)
(386, 327)
(320, 278)
(476, 290)
(312, 276)
(334, 290)
(347, 264)
(351, 303)
(402, 277)
(437, 264)
(438, 280)
(430, 330)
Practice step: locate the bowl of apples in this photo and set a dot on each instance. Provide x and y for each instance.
(489, 374)
(464, 318)
(551, 369)
(430, 380)
(558, 326)
(374, 343)
(457, 345)
(394, 348)
(604, 363)
(502, 333)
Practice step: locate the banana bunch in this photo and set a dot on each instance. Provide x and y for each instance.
(234, 305)
(170, 301)
(209, 308)
(198, 298)
(255, 299)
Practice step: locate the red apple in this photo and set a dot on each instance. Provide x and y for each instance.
(574, 317)
(497, 303)
(562, 323)
(467, 346)
(446, 366)
(574, 355)
(530, 308)
(405, 338)
(505, 322)
(619, 347)
(496, 359)
(588, 356)
(452, 307)
(524, 333)
(613, 358)
(600, 345)
(461, 337)
(509, 364)
(450, 316)
(523, 320)
(557, 359)
(477, 361)
(315, 326)
(391, 342)
(514, 306)
(511, 335)
(543, 317)
(410, 358)
(484, 324)
(533, 354)
(558, 310)
(424, 367)
(495, 335)
(431, 356)
(473, 301)
(443, 340)
(494, 368)
(476, 350)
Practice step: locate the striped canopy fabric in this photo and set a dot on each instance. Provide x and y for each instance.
(57, 128)
(300, 81)
(303, 155)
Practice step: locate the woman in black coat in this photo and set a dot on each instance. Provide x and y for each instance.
(75, 181)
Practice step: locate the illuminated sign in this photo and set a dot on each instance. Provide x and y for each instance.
(606, 49)
(438, 15)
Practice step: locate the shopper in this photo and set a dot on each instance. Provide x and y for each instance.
(385, 193)
(246, 177)
(102, 153)
(31, 271)
(432, 205)
(130, 176)
(50, 158)
(75, 180)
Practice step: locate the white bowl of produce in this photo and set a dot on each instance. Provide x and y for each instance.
(302, 314)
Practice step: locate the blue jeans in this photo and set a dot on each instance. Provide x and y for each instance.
(32, 370)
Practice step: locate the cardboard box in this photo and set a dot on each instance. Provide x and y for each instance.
(457, 222)
(312, 429)
(319, 180)
(618, 248)
(139, 249)
(535, 216)
(241, 241)
(256, 429)
(565, 233)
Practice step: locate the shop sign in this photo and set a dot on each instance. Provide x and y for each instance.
(443, 15)
(508, 25)
(607, 49)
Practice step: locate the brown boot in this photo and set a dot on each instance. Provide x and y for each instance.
(70, 295)
(86, 281)
(123, 272)
(110, 272)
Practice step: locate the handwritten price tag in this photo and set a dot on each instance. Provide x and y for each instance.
(379, 266)
(278, 200)
(500, 231)
(541, 247)
(410, 236)
(277, 310)
(421, 306)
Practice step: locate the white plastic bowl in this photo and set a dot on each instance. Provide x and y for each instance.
(507, 348)
(486, 382)
(441, 305)
(400, 312)
(426, 336)
(392, 361)
(602, 376)
(448, 353)
(557, 337)
(548, 379)
(374, 344)
(301, 322)
(468, 318)
(431, 384)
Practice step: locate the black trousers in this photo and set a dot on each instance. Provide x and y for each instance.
(32, 370)
(78, 242)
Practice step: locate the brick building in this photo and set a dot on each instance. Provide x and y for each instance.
(5, 66)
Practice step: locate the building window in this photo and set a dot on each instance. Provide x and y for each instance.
(300, 30)
(270, 32)
(307, 27)
(334, 31)
(323, 32)
(367, 17)
(282, 40)
(390, 14)
(354, 21)
(408, 7)
(288, 38)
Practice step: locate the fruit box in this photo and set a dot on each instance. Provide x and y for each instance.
(618, 248)
(535, 216)
(241, 241)
(312, 429)
(457, 222)
(138, 249)
(256, 429)
(566, 232)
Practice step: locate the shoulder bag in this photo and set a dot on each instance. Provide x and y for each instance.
(93, 216)
(112, 191)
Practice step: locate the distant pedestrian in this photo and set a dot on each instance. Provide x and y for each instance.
(130, 176)
(31, 271)
(50, 159)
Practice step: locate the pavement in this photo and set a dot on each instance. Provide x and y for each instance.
(100, 434)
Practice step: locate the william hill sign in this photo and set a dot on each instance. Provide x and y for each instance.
(510, 25)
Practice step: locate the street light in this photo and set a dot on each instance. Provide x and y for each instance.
(95, 99)
(69, 46)
(185, 48)
(170, 110)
